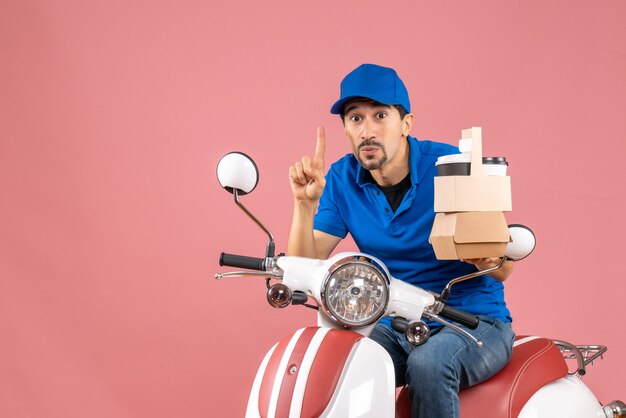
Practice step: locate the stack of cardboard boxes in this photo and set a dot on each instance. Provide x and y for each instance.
(470, 222)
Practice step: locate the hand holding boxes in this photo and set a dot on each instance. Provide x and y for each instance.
(470, 221)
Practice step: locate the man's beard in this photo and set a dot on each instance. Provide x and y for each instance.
(371, 163)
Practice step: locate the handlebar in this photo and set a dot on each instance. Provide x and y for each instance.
(464, 318)
(242, 261)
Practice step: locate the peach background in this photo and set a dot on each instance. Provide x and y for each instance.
(113, 116)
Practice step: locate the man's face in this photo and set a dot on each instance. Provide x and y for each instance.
(375, 132)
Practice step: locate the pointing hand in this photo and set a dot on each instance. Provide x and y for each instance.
(307, 176)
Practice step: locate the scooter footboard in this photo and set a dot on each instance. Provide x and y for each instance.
(322, 372)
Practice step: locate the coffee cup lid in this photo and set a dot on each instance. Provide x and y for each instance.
(465, 158)
(453, 158)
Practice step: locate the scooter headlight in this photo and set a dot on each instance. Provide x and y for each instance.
(356, 291)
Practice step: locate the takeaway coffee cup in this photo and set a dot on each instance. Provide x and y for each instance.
(495, 166)
(453, 165)
(459, 165)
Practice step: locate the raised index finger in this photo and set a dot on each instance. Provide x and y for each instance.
(321, 144)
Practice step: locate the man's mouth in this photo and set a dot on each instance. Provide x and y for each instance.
(368, 150)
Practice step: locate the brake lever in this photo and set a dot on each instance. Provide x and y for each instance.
(435, 317)
(253, 273)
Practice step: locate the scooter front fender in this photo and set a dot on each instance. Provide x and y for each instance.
(322, 372)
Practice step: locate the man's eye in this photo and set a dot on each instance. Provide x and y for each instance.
(382, 115)
(355, 118)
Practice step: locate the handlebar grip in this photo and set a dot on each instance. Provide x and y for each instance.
(242, 261)
(299, 298)
(399, 324)
(462, 317)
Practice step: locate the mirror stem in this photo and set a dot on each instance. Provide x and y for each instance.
(270, 244)
(446, 292)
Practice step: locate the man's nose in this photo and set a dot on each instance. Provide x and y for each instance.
(368, 130)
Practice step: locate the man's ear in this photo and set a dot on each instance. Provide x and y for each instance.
(407, 123)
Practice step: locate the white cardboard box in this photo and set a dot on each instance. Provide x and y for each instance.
(463, 235)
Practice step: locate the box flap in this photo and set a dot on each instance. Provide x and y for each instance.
(475, 134)
(444, 224)
(476, 227)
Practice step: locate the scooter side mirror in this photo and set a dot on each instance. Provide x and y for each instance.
(239, 175)
(236, 170)
(522, 242)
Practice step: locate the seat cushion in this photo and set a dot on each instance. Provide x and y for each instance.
(535, 362)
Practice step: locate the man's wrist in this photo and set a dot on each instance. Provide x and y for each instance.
(306, 204)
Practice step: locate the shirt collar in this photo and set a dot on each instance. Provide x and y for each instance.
(414, 162)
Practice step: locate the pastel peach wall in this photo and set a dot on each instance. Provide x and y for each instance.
(113, 116)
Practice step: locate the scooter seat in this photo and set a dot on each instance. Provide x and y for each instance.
(535, 362)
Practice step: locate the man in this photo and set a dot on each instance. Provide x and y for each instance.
(382, 194)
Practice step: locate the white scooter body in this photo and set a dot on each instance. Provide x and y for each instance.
(563, 398)
(366, 381)
(366, 387)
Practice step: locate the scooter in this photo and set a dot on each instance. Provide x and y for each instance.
(335, 370)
